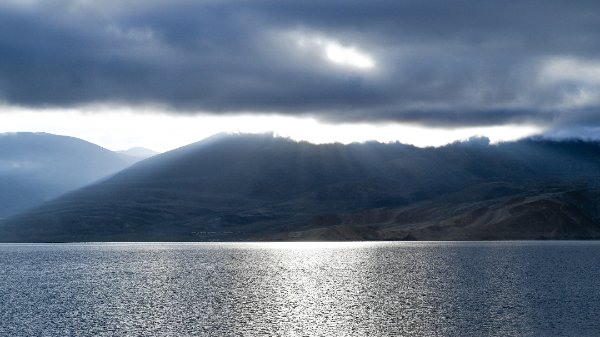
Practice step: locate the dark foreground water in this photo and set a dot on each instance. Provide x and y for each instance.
(301, 289)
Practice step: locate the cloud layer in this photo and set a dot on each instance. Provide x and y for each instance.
(442, 63)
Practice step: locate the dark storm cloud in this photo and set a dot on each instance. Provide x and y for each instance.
(436, 62)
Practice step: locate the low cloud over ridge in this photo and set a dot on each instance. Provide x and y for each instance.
(441, 63)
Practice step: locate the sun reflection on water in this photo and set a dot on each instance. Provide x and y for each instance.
(300, 289)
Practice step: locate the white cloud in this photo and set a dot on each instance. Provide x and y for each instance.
(580, 80)
(333, 51)
(119, 128)
(568, 69)
(348, 56)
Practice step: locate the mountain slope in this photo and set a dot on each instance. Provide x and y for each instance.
(567, 214)
(36, 167)
(251, 187)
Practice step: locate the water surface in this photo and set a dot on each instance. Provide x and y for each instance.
(301, 289)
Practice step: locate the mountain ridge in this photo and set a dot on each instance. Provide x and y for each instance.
(261, 187)
(36, 167)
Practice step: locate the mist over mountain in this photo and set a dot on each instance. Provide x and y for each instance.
(36, 167)
(139, 152)
(260, 187)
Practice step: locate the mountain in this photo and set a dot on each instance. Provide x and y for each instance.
(139, 152)
(260, 187)
(36, 167)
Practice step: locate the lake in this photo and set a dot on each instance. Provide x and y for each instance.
(301, 289)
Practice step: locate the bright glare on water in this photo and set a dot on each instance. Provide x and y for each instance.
(301, 289)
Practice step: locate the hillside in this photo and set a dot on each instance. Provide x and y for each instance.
(259, 187)
(36, 167)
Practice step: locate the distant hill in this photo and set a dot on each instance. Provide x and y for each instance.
(259, 187)
(139, 152)
(36, 167)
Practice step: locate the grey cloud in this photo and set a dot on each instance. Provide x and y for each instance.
(574, 132)
(453, 63)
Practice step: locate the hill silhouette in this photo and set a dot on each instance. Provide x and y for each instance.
(36, 167)
(260, 187)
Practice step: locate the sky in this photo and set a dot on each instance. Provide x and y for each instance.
(162, 74)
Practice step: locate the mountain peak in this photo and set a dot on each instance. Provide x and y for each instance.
(36, 167)
(139, 152)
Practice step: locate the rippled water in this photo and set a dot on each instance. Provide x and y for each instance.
(301, 289)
